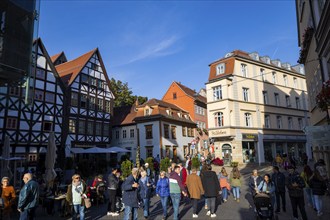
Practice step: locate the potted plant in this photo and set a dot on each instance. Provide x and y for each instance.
(195, 163)
(164, 164)
(126, 168)
(323, 98)
(199, 130)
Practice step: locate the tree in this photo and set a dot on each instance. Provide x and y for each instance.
(123, 94)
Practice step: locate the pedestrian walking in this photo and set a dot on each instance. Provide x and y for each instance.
(9, 197)
(28, 198)
(188, 164)
(183, 173)
(267, 186)
(163, 191)
(236, 183)
(318, 187)
(306, 174)
(75, 196)
(113, 183)
(195, 189)
(224, 184)
(295, 185)
(145, 187)
(176, 188)
(211, 187)
(254, 181)
(130, 195)
(279, 181)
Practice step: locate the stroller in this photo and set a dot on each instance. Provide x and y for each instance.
(264, 208)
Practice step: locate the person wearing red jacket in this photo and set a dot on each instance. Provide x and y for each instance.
(183, 174)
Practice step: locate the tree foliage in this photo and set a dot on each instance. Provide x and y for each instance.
(123, 94)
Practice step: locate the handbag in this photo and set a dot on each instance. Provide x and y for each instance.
(88, 203)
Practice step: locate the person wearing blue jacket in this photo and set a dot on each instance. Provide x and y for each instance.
(267, 186)
(163, 191)
(130, 195)
(28, 198)
(145, 186)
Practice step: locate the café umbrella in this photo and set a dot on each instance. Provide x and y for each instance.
(5, 169)
(50, 173)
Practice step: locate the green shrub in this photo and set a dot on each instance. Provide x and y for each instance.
(164, 164)
(126, 168)
(150, 161)
(195, 163)
(234, 164)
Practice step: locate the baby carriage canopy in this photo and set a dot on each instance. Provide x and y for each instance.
(263, 205)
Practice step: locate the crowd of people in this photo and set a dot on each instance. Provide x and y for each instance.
(176, 185)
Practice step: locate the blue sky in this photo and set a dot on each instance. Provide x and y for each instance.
(150, 44)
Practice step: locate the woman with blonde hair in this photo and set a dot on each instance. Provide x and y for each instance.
(75, 196)
(224, 183)
(8, 195)
(236, 183)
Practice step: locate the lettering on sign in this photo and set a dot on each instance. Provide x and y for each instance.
(250, 136)
(219, 132)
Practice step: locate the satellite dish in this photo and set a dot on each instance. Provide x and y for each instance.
(228, 55)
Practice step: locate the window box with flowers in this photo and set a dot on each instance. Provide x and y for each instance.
(205, 131)
(307, 39)
(199, 130)
(323, 98)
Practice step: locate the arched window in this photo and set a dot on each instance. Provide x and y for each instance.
(218, 117)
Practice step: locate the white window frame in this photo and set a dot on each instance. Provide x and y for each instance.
(248, 119)
(221, 68)
(217, 93)
(218, 119)
(245, 94)
(265, 97)
(267, 121)
(244, 70)
(274, 77)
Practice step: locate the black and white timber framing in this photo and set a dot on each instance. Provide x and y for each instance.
(29, 125)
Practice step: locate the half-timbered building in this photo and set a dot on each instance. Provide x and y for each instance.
(30, 112)
(90, 103)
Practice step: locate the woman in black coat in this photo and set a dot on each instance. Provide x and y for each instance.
(318, 186)
(211, 187)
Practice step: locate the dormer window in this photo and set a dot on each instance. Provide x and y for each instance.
(221, 68)
(147, 112)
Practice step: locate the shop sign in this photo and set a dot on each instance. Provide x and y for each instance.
(218, 132)
(250, 136)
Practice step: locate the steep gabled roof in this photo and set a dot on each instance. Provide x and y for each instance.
(193, 94)
(69, 70)
(56, 56)
(48, 58)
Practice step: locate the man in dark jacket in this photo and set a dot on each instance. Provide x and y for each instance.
(279, 181)
(130, 195)
(254, 182)
(113, 182)
(28, 198)
(295, 185)
(212, 188)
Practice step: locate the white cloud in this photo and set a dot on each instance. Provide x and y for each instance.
(162, 48)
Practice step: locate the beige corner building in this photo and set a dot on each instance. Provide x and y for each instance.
(257, 108)
(313, 20)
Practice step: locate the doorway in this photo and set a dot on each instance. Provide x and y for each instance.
(226, 154)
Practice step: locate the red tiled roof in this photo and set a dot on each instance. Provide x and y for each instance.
(157, 102)
(124, 115)
(55, 57)
(192, 93)
(69, 70)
